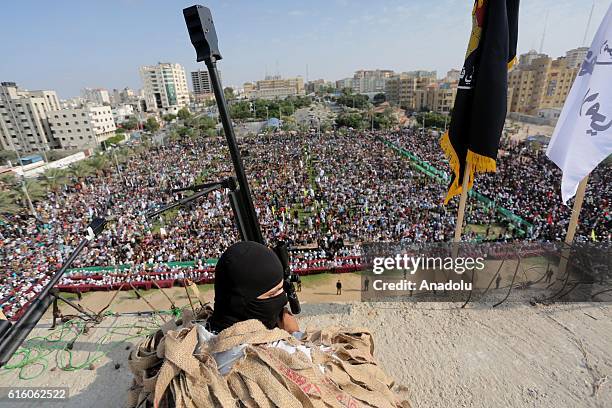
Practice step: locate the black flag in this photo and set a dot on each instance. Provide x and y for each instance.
(481, 103)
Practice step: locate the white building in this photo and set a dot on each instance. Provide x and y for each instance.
(98, 96)
(82, 127)
(274, 87)
(164, 87)
(576, 56)
(121, 113)
(23, 118)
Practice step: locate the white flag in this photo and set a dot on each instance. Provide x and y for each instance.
(583, 136)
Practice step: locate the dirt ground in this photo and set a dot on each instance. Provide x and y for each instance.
(515, 355)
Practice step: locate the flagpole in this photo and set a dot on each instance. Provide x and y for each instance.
(462, 201)
(573, 225)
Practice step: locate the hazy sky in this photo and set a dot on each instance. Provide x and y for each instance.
(67, 45)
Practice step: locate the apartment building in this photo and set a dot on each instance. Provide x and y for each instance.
(540, 82)
(401, 89)
(82, 127)
(23, 118)
(98, 96)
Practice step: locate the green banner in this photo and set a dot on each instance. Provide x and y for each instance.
(122, 267)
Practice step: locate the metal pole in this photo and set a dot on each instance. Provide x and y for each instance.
(234, 152)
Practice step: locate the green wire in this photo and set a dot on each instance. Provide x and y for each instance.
(32, 358)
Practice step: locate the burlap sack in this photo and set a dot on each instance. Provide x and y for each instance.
(170, 370)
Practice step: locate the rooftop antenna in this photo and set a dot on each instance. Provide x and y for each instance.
(543, 33)
(586, 31)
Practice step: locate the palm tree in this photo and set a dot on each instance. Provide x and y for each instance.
(123, 155)
(8, 203)
(98, 163)
(53, 179)
(8, 180)
(80, 169)
(29, 192)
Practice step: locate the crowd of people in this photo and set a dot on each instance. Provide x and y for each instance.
(527, 184)
(330, 192)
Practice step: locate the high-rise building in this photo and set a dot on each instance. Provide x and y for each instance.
(401, 89)
(98, 96)
(23, 118)
(273, 87)
(165, 87)
(86, 126)
(201, 82)
(576, 56)
(539, 82)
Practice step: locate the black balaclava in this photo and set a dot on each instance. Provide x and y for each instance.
(245, 271)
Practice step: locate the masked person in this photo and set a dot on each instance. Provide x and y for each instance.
(249, 285)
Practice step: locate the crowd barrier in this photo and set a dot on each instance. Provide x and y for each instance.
(102, 272)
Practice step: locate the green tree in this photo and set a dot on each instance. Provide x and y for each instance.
(169, 117)
(29, 192)
(8, 203)
(151, 125)
(53, 179)
(98, 163)
(352, 120)
(206, 122)
(185, 132)
(130, 124)
(356, 101)
(242, 110)
(183, 114)
(8, 180)
(432, 119)
(80, 169)
(229, 93)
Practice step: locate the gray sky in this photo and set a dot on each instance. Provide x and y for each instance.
(66, 45)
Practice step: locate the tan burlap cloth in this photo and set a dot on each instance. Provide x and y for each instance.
(169, 369)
